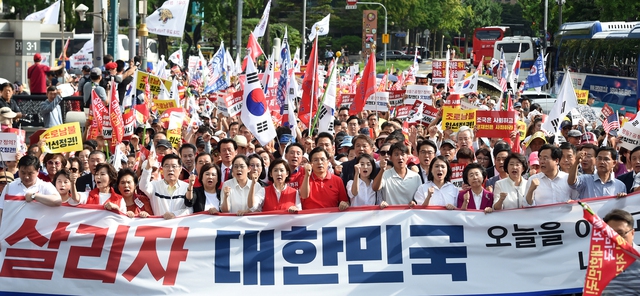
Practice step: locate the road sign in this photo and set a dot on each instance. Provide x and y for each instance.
(385, 38)
(351, 7)
(352, 2)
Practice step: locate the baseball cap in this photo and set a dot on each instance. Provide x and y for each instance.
(574, 133)
(537, 135)
(346, 142)
(164, 143)
(86, 68)
(533, 158)
(111, 66)
(95, 71)
(448, 142)
(37, 57)
(589, 138)
(565, 123)
(241, 141)
(200, 142)
(517, 105)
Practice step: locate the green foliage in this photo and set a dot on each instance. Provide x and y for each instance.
(484, 13)
(352, 42)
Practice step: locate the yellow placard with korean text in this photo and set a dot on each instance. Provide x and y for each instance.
(175, 137)
(162, 105)
(582, 95)
(154, 82)
(454, 118)
(63, 138)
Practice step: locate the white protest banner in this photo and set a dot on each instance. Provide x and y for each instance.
(576, 116)
(379, 102)
(66, 90)
(418, 92)
(8, 146)
(456, 67)
(629, 134)
(81, 59)
(233, 102)
(368, 251)
(396, 97)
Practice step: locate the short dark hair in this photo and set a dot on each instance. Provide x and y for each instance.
(203, 154)
(187, 146)
(368, 157)
(234, 123)
(465, 152)
(295, 144)
(595, 148)
(123, 173)
(556, 153)
(343, 108)
(63, 160)
(29, 160)
(113, 175)
(500, 147)
(614, 153)
(447, 177)
(520, 158)
(324, 135)
(568, 146)
(207, 167)
(94, 152)
(428, 143)
(318, 150)
(80, 164)
(227, 141)
(243, 157)
(352, 117)
(636, 149)
(619, 215)
(471, 166)
(286, 167)
(398, 146)
(9, 84)
(170, 157)
(372, 114)
(62, 172)
(263, 173)
(51, 88)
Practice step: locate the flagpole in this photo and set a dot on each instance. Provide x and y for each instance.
(313, 84)
(324, 95)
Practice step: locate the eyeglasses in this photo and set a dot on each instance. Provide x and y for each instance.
(51, 162)
(170, 167)
(383, 153)
(427, 152)
(319, 160)
(74, 170)
(624, 233)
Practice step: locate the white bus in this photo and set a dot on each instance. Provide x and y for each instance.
(528, 53)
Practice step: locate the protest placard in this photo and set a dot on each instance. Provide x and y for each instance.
(345, 100)
(455, 118)
(378, 103)
(233, 102)
(8, 146)
(456, 174)
(495, 124)
(583, 96)
(63, 138)
(154, 82)
(396, 97)
(456, 68)
(418, 92)
(162, 105)
(629, 134)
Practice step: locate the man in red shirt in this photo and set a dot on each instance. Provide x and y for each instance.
(37, 75)
(321, 189)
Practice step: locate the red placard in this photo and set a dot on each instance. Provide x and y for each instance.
(495, 124)
(456, 174)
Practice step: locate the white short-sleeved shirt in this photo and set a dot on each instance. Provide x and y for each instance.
(238, 196)
(366, 195)
(551, 191)
(399, 191)
(448, 194)
(16, 188)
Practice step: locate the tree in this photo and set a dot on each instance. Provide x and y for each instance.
(617, 10)
(484, 13)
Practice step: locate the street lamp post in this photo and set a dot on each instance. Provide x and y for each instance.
(304, 30)
(385, 27)
(98, 31)
(143, 33)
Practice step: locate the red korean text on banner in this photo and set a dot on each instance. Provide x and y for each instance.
(453, 100)
(609, 254)
(115, 115)
(456, 174)
(96, 113)
(495, 124)
(396, 97)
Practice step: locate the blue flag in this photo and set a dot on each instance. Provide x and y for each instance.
(217, 72)
(537, 77)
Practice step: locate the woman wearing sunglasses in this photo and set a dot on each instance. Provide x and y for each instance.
(53, 163)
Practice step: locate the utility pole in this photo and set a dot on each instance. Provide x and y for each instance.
(143, 32)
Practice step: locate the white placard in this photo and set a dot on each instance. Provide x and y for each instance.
(418, 92)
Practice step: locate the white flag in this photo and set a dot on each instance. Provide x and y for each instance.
(269, 76)
(255, 111)
(169, 19)
(175, 94)
(230, 64)
(262, 25)
(177, 58)
(320, 28)
(565, 102)
(327, 109)
(467, 85)
(47, 16)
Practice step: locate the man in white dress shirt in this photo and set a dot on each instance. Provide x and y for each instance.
(550, 185)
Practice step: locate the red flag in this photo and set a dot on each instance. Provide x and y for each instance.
(609, 254)
(96, 113)
(309, 101)
(366, 87)
(116, 116)
(383, 82)
(253, 50)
